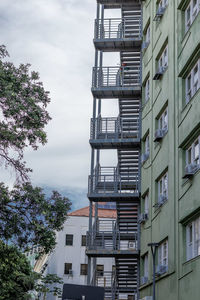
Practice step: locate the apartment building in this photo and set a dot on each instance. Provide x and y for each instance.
(170, 202)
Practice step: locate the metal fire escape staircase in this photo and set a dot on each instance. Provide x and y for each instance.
(121, 183)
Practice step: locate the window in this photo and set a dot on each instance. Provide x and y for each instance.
(83, 240)
(67, 268)
(84, 269)
(147, 90)
(146, 144)
(146, 265)
(193, 153)
(163, 60)
(163, 187)
(69, 240)
(146, 203)
(163, 254)
(163, 120)
(191, 12)
(162, 3)
(100, 270)
(147, 35)
(193, 239)
(193, 82)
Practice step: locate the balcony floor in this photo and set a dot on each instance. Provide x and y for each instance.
(112, 253)
(114, 197)
(130, 143)
(117, 92)
(110, 45)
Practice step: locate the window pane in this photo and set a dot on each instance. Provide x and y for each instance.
(100, 270)
(67, 268)
(83, 240)
(69, 240)
(196, 152)
(83, 270)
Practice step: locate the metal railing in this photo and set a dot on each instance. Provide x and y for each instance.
(117, 128)
(116, 76)
(118, 28)
(111, 241)
(107, 180)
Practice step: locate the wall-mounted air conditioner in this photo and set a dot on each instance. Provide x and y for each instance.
(144, 157)
(131, 245)
(159, 134)
(161, 199)
(70, 273)
(143, 280)
(159, 13)
(143, 217)
(161, 269)
(159, 73)
(190, 170)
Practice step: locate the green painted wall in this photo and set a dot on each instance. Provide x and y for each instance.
(182, 281)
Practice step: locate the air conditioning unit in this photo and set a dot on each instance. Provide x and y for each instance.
(159, 13)
(190, 170)
(131, 245)
(145, 46)
(161, 269)
(70, 273)
(161, 200)
(144, 157)
(143, 217)
(143, 280)
(159, 134)
(147, 298)
(159, 73)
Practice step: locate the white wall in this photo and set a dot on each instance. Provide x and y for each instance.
(75, 254)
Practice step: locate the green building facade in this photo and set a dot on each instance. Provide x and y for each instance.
(170, 199)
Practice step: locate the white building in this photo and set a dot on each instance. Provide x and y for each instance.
(68, 259)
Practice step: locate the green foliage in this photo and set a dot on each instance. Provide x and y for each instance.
(23, 102)
(28, 218)
(49, 284)
(16, 276)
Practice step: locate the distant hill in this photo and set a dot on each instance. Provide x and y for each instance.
(77, 196)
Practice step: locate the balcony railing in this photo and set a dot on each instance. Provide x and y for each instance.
(107, 180)
(109, 77)
(114, 128)
(118, 28)
(111, 241)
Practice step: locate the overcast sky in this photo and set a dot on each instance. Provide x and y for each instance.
(55, 36)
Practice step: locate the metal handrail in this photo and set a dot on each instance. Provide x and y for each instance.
(114, 128)
(123, 76)
(118, 28)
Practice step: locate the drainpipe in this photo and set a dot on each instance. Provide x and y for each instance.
(154, 247)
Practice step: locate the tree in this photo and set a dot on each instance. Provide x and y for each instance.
(49, 284)
(23, 102)
(17, 277)
(28, 218)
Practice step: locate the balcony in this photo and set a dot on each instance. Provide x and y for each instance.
(116, 82)
(106, 240)
(107, 184)
(108, 133)
(118, 34)
(115, 3)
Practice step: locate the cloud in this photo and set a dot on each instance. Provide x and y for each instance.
(55, 36)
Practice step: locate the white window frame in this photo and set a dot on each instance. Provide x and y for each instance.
(193, 239)
(146, 144)
(191, 157)
(163, 120)
(193, 82)
(163, 60)
(146, 265)
(163, 253)
(193, 12)
(146, 203)
(147, 90)
(163, 185)
(148, 35)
